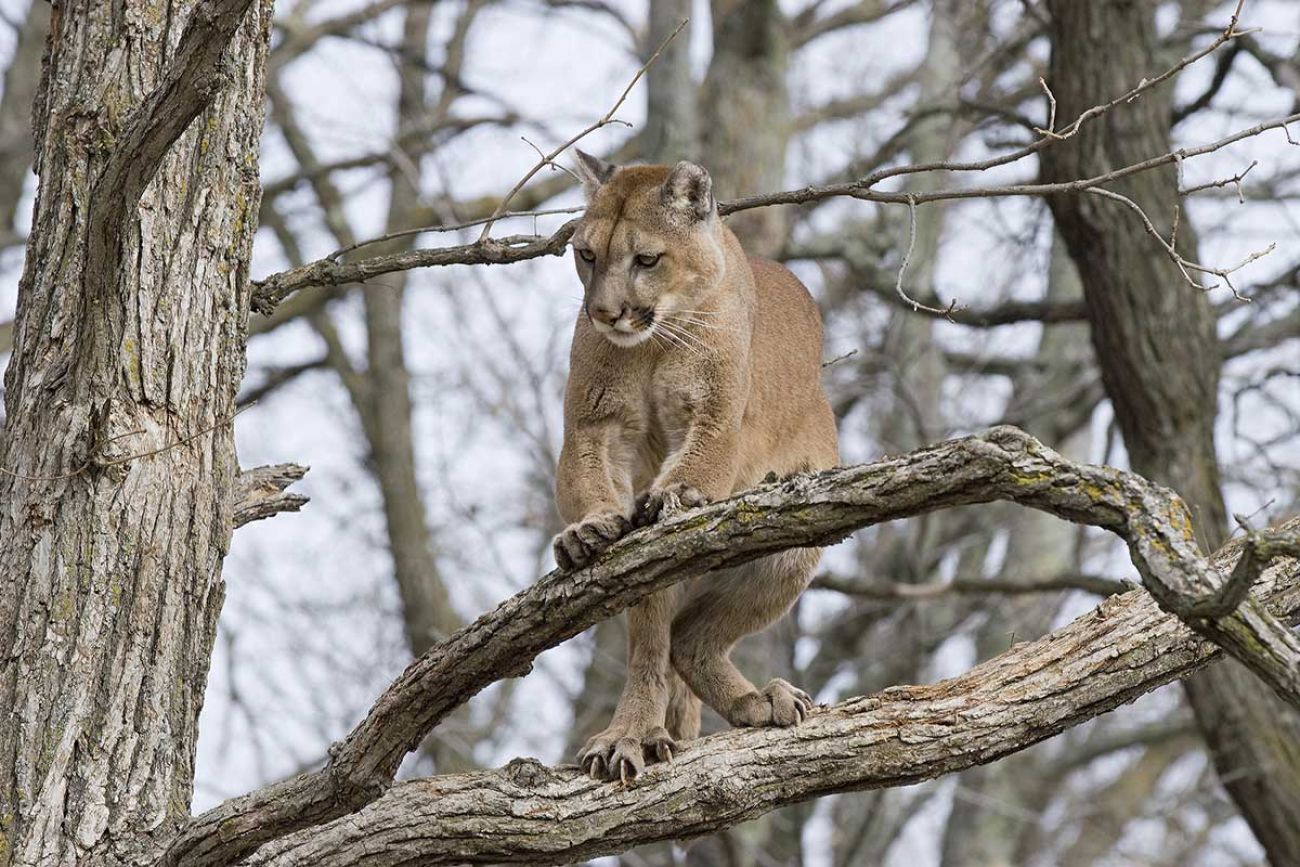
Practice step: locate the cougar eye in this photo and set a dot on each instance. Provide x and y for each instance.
(648, 260)
(586, 255)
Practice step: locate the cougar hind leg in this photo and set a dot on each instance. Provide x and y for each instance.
(637, 735)
(724, 608)
(683, 720)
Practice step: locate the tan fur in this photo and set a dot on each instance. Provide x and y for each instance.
(724, 390)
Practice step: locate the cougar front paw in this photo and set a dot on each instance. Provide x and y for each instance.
(579, 544)
(621, 752)
(660, 503)
(779, 704)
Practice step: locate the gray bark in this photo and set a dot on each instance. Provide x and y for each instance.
(1155, 340)
(129, 340)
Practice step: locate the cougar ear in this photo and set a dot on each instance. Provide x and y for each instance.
(689, 190)
(593, 171)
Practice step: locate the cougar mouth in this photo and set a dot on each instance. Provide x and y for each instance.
(633, 326)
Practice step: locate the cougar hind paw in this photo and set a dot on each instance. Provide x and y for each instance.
(779, 704)
(620, 753)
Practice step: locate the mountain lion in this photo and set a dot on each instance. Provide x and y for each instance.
(695, 371)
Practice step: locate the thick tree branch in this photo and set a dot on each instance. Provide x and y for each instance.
(190, 83)
(1003, 464)
(529, 813)
(260, 492)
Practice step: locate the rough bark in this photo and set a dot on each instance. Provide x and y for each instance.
(128, 350)
(1155, 340)
(1003, 464)
(529, 813)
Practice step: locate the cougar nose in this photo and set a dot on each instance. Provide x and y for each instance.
(605, 314)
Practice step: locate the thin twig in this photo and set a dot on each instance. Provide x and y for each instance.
(1235, 180)
(837, 359)
(902, 270)
(606, 120)
(1185, 265)
(420, 230)
(92, 462)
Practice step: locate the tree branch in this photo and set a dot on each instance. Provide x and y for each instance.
(325, 272)
(259, 492)
(268, 292)
(897, 592)
(526, 812)
(1003, 464)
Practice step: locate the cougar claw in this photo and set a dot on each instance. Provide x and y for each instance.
(619, 754)
(779, 704)
(660, 503)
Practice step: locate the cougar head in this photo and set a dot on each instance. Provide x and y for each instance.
(648, 247)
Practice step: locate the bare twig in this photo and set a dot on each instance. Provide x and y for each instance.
(1235, 180)
(605, 120)
(420, 230)
(837, 359)
(96, 461)
(902, 270)
(1184, 265)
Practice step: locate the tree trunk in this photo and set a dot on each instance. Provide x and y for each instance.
(672, 118)
(112, 559)
(385, 406)
(746, 101)
(1155, 339)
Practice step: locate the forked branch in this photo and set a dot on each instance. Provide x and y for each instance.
(1004, 464)
(526, 812)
